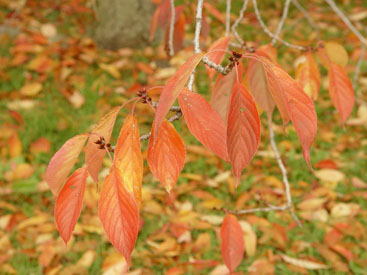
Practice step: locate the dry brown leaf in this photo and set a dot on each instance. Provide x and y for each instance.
(261, 266)
(312, 204)
(111, 69)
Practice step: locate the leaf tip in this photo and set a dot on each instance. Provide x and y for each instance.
(237, 181)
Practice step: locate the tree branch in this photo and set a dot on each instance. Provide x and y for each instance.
(306, 14)
(238, 21)
(288, 205)
(266, 30)
(346, 21)
(358, 66)
(175, 117)
(198, 20)
(219, 68)
(172, 28)
(282, 20)
(228, 17)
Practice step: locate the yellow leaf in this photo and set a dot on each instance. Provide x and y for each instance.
(311, 204)
(111, 69)
(337, 53)
(250, 238)
(15, 146)
(303, 263)
(31, 89)
(330, 175)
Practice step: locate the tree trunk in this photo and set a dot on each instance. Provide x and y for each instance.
(123, 23)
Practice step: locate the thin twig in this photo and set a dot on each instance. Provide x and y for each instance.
(198, 20)
(358, 66)
(175, 117)
(172, 28)
(346, 21)
(228, 17)
(172, 109)
(238, 21)
(219, 68)
(306, 14)
(266, 30)
(282, 20)
(283, 170)
(288, 205)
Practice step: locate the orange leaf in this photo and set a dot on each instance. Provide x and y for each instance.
(179, 33)
(153, 24)
(173, 88)
(308, 75)
(93, 155)
(69, 203)
(233, 244)
(119, 214)
(269, 51)
(214, 11)
(341, 90)
(204, 122)
(63, 161)
(164, 13)
(166, 154)
(299, 107)
(259, 87)
(216, 56)
(243, 129)
(128, 158)
(273, 85)
(15, 146)
(222, 91)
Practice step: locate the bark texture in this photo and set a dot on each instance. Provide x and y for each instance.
(123, 23)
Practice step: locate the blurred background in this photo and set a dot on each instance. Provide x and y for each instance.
(65, 63)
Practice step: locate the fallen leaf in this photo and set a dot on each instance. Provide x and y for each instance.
(303, 263)
(31, 89)
(330, 175)
(76, 99)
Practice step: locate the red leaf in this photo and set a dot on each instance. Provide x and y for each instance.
(93, 155)
(69, 203)
(166, 154)
(119, 214)
(243, 129)
(300, 108)
(63, 161)
(222, 91)
(179, 32)
(164, 13)
(233, 244)
(128, 158)
(308, 75)
(204, 122)
(173, 88)
(216, 56)
(341, 90)
(153, 24)
(214, 11)
(259, 87)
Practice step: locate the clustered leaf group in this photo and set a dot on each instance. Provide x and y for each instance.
(229, 126)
